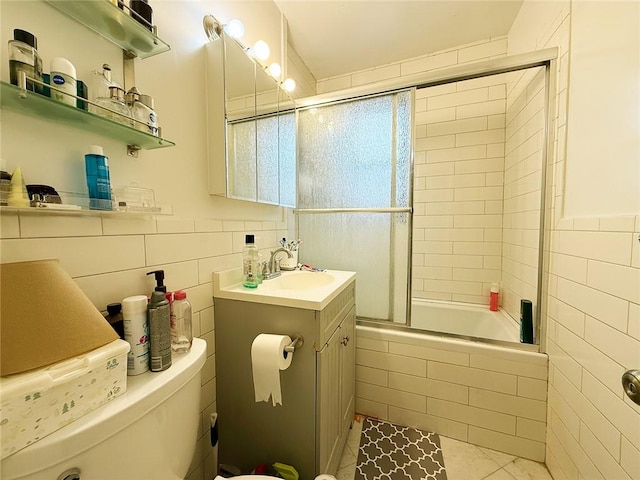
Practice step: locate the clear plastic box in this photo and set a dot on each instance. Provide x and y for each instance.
(135, 199)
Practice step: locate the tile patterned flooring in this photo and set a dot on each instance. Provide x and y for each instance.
(463, 461)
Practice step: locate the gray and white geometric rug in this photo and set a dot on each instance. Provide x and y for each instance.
(393, 452)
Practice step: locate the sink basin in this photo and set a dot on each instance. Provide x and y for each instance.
(310, 290)
(301, 280)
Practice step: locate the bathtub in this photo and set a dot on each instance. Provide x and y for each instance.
(491, 393)
(465, 320)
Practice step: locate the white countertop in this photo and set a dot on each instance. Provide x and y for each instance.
(228, 284)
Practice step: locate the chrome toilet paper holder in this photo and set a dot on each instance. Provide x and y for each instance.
(296, 342)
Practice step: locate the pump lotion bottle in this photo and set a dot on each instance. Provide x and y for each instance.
(159, 315)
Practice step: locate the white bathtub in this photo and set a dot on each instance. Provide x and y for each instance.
(488, 393)
(463, 319)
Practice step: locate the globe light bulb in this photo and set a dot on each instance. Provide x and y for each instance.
(261, 50)
(275, 70)
(235, 28)
(289, 84)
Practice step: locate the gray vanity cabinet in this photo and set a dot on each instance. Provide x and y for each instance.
(309, 429)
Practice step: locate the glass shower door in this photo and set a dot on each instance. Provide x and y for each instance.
(354, 173)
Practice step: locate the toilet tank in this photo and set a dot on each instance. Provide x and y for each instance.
(149, 432)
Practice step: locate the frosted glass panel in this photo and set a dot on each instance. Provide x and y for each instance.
(357, 154)
(332, 240)
(403, 148)
(268, 180)
(349, 147)
(242, 170)
(287, 158)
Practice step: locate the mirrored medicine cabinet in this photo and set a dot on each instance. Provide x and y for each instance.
(251, 128)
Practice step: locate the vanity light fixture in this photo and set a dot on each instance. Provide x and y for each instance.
(212, 27)
(235, 28)
(289, 85)
(275, 70)
(260, 50)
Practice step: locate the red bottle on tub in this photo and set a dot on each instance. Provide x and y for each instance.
(494, 297)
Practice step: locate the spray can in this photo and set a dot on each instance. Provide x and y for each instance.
(159, 316)
(136, 332)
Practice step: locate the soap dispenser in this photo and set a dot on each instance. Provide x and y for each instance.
(159, 316)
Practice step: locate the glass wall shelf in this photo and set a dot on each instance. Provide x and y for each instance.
(114, 24)
(14, 98)
(157, 211)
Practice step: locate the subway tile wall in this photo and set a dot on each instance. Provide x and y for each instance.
(524, 147)
(593, 338)
(109, 257)
(489, 396)
(458, 189)
(472, 52)
(593, 313)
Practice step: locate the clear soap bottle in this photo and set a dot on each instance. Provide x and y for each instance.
(144, 117)
(23, 57)
(114, 107)
(100, 82)
(181, 334)
(151, 116)
(250, 263)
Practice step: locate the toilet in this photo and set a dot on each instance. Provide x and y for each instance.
(149, 432)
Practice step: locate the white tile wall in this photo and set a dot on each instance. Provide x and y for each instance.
(109, 258)
(594, 430)
(491, 396)
(522, 188)
(481, 50)
(458, 190)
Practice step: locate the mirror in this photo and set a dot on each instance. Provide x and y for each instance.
(254, 160)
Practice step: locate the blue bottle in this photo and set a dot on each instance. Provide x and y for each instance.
(98, 181)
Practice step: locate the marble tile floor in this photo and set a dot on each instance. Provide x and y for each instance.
(463, 461)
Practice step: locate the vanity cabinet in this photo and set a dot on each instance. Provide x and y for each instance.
(309, 429)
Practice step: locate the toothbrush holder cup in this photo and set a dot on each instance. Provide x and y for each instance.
(287, 263)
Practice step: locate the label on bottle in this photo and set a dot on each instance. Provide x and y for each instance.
(65, 83)
(136, 332)
(160, 333)
(58, 79)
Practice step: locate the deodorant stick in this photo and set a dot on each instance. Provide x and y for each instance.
(136, 332)
(63, 77)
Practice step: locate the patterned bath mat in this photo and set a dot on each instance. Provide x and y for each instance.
(393, 452)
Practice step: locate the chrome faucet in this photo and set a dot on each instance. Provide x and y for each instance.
(274, 263)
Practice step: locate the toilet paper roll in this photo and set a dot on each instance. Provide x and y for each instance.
(268, 357)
